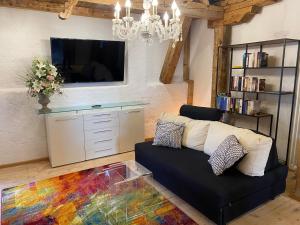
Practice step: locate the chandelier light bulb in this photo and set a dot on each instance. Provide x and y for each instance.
(174, 5)
(155, 3)
(174, 8)
(117, 10)
(166, 16)
(128, 4)
(154, 7)
(118, 7)
(177, 13)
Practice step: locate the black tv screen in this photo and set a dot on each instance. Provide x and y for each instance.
(88, 60)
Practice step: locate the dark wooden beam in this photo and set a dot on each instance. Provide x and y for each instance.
(173, 53)
(48, 6)
(222, 35)
(190, 95)
(186, 58)
(188, 8)
(69, 6)
(240, 11)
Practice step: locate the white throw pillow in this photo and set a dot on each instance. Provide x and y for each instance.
(195, 134)
(217, 133)
(174, 118)
(195, 131)
(257, 146)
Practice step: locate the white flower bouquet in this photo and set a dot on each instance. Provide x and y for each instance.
(43, 79)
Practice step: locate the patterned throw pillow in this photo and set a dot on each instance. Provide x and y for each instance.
(227, 154)
(168, 134)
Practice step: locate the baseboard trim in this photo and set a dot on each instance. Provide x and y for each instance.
(22, 162)
(46, 158)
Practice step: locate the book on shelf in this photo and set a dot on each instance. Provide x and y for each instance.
(250, 84)
(261, 84)
(253, 84)
(255, 59)
(253, 107)
(237, 105)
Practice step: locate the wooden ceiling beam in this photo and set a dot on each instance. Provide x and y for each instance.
(173, 54)
(240, 11)
(222, 36)
(241, 15)
(188, 8)
(48, 6)
(69, 6)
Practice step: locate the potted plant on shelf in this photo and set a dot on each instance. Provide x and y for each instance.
(43, 81)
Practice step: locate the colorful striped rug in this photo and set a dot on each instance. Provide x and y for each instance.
(95, 196)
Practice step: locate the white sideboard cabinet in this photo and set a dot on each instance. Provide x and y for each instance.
(131, 132)
(65, 138)
(80, 135)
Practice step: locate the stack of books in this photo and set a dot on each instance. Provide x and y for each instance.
(237, 105)
(251, 84)
(255, 60)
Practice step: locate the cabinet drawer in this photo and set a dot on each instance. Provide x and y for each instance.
(101, 144)
(101, 134)
(96, 124)
(100, 115)
(99, 153)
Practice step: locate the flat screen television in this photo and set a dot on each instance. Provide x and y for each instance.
(81, 61)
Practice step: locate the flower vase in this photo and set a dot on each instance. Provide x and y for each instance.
(44, 101)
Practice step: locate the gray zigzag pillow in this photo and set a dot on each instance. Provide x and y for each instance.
(227, 154)
(168, 134)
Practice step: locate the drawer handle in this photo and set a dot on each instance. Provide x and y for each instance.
(67, 119)
(99, 115)
(103, 121)
(102, 141)
(108, 149)
(101, 131)
(136, 111)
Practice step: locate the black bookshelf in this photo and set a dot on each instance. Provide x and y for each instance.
(266, 92)
(264, 68)
(256, 95)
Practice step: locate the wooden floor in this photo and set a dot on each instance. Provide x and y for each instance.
(281, 211)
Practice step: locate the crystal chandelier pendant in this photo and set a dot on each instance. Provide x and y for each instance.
(149, 25)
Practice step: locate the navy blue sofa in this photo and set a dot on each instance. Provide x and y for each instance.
(188, 174)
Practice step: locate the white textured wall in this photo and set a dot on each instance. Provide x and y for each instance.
(275, 21)
(25, 34)
(201, 59)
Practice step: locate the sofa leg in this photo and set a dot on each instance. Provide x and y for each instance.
(221, 218)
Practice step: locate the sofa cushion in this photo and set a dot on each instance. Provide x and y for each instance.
(174, 118)
(200, 113)
(257, 146)
(228, 153)
(168, 134)
(195, 131)
(190, 171)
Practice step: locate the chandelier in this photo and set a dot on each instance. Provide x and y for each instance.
(149, 25)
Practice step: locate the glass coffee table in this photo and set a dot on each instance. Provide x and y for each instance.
(130, 197)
